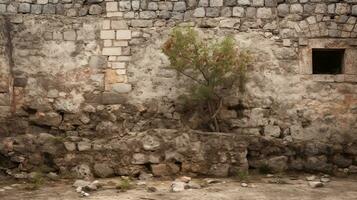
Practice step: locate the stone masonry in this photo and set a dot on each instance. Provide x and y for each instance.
(85, 88)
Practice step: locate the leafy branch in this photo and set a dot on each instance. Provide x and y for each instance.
(212, 66)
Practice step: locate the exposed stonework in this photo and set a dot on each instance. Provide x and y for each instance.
(89, 73)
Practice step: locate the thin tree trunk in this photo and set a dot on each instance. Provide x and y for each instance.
(213, 117)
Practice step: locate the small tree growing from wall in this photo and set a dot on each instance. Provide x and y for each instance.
(212, 66)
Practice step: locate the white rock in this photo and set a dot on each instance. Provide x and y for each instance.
(184, 179)
(177, 186)
(84, 194)
(81, 183)
(315, 184)
(311, 178)
(244, 185)
(79, 189)
(325, 179)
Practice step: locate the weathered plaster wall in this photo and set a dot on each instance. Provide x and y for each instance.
(88, 79)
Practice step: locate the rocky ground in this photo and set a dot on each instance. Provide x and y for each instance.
(256, 187)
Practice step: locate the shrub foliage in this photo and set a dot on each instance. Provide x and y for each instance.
(212, 66)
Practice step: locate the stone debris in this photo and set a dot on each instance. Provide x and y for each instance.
(53, 176)
(212, 181)
(80, 183)
(83, 187)
(184, 179)
(325, 180)
(193, 185)
(315, 184)
(145, 176)
(141, 183)
(177, 186)
(151, 189)
(244, 184)
(311, 178)
(84, 194)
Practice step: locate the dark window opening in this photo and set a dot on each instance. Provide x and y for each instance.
(327, 61)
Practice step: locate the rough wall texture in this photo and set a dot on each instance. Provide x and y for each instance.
(92, 72)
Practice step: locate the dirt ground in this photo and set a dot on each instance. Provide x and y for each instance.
(259, 188)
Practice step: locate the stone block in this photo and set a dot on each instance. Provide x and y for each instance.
(216, 3)
(244, 2)
(123, 35)
(270, 3)
(70, 146)
(212, 12)
(165, 6)
(49, 9)
(111, 51)
(110, 98)
(24, 8)
(342, 9)
(135, 5)
(180, 6)
(103, 170)
(139, 159)
(124, 5)
(4, 99)
(203, 3)
(47, 119)
(97, 62)
(107, 34)
(258, 3)
(95, 10)
(42, 2)
(238, 12)
(199, 12)
(264, 13)
(141, 23)
(121, 87)
(354, 10)
(147, 14)
(153, 6)
(296, 9)
(321, 8)
(69, 35)
(35, 9)
(112, 6)
(2, 8)
(272, 131)
(84, 146)
(119, 24)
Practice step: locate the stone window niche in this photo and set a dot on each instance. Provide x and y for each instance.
(329, 60)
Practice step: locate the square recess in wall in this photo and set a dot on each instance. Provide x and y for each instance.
(327, 61)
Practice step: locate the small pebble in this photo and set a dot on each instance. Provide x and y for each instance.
(325, 179)
(244, 185)
(270, 175)
(315, 184)
(84, 194)
(311, 178)
(152, 189)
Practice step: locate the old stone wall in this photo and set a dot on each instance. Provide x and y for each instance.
(78, 75)
(5, 71)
